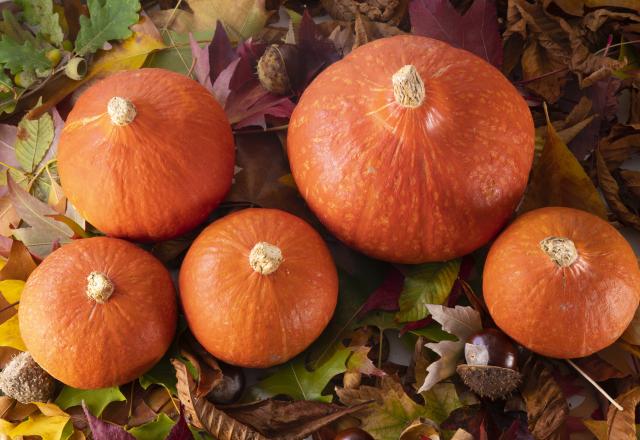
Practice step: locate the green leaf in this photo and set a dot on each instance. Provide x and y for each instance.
(153, 430)
(40, 13)
(22, 57)
(33, 141)
(108, 20)
(433, 332)
(96, 400)
(162, 373)
(393, 410)
(294, 380)
(428, 283)
(10, 334)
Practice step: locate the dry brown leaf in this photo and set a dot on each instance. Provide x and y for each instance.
(628, 4)
(558, 179)
(547, 408)
(545, 47)
(367, 30)
(631, 180)
(621, 424)
(285, 420)
(386, 11)
(594, 20)
(609, 155)
(19, 265)
(572, 7)
(204, 414)
(598, 369)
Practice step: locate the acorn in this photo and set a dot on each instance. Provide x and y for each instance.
(492, 365)
(279, 68)
(24, 380)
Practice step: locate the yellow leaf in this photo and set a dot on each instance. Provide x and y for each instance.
(241, 18)
(50, 409)
(558, 179)
(11, 290)
(597, 427)
(49, 428)
(6, 427)
(128, 55)
(10, 334)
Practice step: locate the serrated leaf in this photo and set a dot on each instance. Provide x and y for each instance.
(459, 321)
(40, 13)
(108, 20)
(48, 427)
(156, 429)
(394, 410)
(296, 381)
(33, 140)
(426, 284)
(10, 334)
(22, 57)
(43, 231)
(96, 400)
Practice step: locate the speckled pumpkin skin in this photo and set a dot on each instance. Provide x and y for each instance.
(411, 185)
(157, 177)
(89, 345)
(248, 319)
(562, 312)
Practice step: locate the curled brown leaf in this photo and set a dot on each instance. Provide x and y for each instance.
(621, 424)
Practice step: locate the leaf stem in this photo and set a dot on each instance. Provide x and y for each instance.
(595, 385)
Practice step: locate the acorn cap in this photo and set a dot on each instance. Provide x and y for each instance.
(24, 380)
(490, 381)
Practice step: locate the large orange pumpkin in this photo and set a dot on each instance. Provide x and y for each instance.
(411, 150)
(562, 282)
(154, 148)
(257, 287)
(98, 312)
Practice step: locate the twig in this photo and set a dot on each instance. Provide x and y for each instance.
(595, 385)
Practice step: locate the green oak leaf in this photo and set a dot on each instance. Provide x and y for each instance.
(162, 373)
(22, 57)
(156, 429)
(393, 410)
(295, 380)
(428, 283)
(33, 141)
(96, 400)
(40, 13)
(108, 20)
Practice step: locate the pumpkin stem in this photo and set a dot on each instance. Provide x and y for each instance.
(121, 110)
(561, 250)
(408, 87)
(265, 258)
(99, 287)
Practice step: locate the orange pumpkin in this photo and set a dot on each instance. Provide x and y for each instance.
(562, 282)
(155, 149)
(98, 312)
(411, 150)
(257, 287)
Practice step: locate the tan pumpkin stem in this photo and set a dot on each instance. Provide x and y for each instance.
(99, 287)
(121, 110)
(265, 258)
(562, 251)
(408, 87)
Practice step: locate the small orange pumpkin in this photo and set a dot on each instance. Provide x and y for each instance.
(98, 312)
(411, 150)
(155, 149)
(562, 282)
(257, 287)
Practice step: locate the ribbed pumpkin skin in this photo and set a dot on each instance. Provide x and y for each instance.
(562, 312)
(411, 185)
(89, 345)
(248, 319)
(157, 177)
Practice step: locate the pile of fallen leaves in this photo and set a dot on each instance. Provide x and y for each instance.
(387, 361)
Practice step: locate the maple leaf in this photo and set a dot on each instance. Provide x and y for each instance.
(108, 20)
(476, 31)
(386, 296)
(180, 430)
(393, 410)
(459, 321)
(105, 431)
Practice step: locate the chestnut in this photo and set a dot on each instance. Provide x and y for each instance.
(499, 348)
(353, 434)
